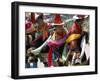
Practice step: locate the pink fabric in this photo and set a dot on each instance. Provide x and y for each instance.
(57, 42)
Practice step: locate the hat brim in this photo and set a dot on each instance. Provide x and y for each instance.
(57, 24)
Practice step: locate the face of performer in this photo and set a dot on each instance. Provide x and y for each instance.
(40, 22)
(59, 29)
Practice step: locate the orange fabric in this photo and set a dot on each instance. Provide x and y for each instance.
(45, 31)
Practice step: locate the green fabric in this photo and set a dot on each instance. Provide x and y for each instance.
(65, 51)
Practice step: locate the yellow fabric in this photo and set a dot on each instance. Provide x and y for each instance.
(54, 36)
(72, 37)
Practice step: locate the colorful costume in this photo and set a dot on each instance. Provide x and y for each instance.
(57, 41)
(74, 36)
(73, 42)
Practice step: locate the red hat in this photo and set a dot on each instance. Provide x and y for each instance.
(75, 28)
(57, 19)
(33, 17)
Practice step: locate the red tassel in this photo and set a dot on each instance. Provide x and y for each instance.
(50, 57)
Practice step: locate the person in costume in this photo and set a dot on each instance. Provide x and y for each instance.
(77, 39)
(56, 45)
(40, 36)
(29, 36)
(41, 33)
(74, 40)
(29, 28)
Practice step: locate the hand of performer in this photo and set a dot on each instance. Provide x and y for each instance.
(29, 50)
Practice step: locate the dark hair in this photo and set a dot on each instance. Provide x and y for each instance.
(39, 17)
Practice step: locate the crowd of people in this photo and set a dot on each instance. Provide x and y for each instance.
(51, 42)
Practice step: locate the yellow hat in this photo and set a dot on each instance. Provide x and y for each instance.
(72, 37)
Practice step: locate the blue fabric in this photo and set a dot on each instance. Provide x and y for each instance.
(27, 65)
(53, 57)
